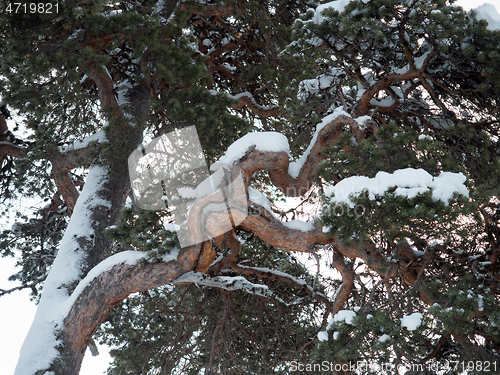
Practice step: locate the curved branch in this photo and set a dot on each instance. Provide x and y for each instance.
(247, 99)
(272, 231)
(363, 106)
(268, 274)
(65, 184)
(277, 163)
(10, 149)
(347, 282)
(107, 290)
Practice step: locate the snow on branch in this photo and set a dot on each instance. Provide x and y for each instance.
(269, 274)
(232, 283)
(225, 282)
(247, 99)
(409, 183)
(99, 137)
(39, 348)
(292, 178)
(261, 141)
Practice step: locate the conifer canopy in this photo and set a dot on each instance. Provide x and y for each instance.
(363, 235)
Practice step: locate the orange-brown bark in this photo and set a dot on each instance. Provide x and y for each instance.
(347, 281)
(106, 291)
(277, 163)
(261, 111)
(363, 105)
(65, 185)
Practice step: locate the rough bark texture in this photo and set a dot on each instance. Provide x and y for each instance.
(111, 287)
(104, 293)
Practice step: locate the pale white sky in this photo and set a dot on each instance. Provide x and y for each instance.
(471, 4)
(17, 312)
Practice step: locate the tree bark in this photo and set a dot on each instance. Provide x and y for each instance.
(105, 292)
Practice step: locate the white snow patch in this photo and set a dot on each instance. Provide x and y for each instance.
(409, 183)
(122, 91)
(362, 121)
(310, 87)
(39, 347)
(295, 166)
(343, 316)
(419, 61)
(300, 225)
(384, 338)
(99, 137)
(387, 102)
(411, 322)
(187, 193)
(263, 141)
(257, 197)
(224, 282)
(323, 336)
(159, 7)
(337, 5)
(171, 227)
(480, 303)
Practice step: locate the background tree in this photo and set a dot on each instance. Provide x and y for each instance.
(419, 79)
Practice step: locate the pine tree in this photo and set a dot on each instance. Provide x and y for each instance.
(402, 93)
(420, 69)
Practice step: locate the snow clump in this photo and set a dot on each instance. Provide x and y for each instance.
(411, 322)
(409, 183)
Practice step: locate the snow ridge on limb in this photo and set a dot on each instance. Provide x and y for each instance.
(39, 348)
(295, 179)
(99, 137)
(109, 283)
(409, 182)
(83, 246)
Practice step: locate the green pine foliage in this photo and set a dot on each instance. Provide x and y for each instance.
(446, 120)
(387, 216)
(438, 71)
(143, 231)
(188, 329)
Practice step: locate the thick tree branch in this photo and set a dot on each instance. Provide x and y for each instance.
(246, 99)
(10, 149)
(105, 292)
(277, 163)
(347, 281)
